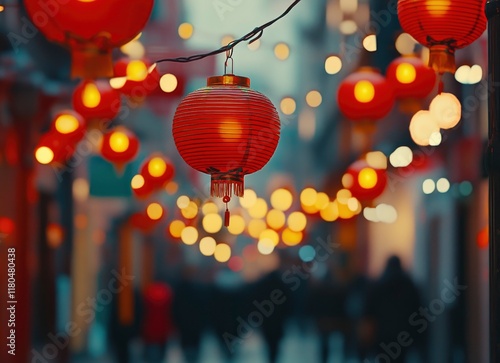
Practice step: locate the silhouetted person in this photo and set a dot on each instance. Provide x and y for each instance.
(391, 302)
(190, 311)
(273, 301)
(157, 321)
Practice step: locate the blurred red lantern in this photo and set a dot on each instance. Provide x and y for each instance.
(90, 29)
(364, 181)
(443, 27)
(365, 95)
(141, 222)
(69, 125)
(135, 77)
(411, 81)
(157, 170)
(53, 149)
(96, 100)
(227, 130)
(140, 187)
(119, 146)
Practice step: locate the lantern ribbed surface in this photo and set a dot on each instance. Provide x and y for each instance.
(443, 26)
(227, 130)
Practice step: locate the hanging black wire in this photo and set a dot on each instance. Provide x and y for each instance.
(250, 37)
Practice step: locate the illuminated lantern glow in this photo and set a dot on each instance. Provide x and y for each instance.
(53, 149)
(365, 182)
(70, 125)
(446, 109)
(140, 187)
(423, 128)
(443, 27)
(119, 146)
(226, 130)
(411, 80)
(96, 100)
(135, 77)
(157, 171)
(90, 29)
(365, 95)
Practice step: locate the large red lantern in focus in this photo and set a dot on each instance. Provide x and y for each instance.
(96, 100)
(90, 29)
(227, 130)
(365, 95)
(411, 80)
(119, 146)
(364, 181)
(443, 27)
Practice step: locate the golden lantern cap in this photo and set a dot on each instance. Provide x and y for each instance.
(228, 80)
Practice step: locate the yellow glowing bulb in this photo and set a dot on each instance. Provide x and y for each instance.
(406, 73)
(281, 51)
(176, 228)
(265, 246)
(275, 219)
(183, 201)
(91, 97)
(154, 211)
(333, 64)
(364, 91)
(189, 235)
(137, 181)
(297, 221)
(259, 209)
(137, 71)
(168, 83)
(66, 124)
(255, 227)
(212, 223)
(119, 142)
(44, 155)
(281, 199)
(288, 105)
(185, 30)
(222, 252)
(331, 212)
(291, 238)
(249, 198)
(237, 225)
(210, 207)
(313, 98)
(308, 197)
(230, 130)
(367, 178)
(207, 246)
(438, 7)
(190, 211)
(157, 167)
(270, 235)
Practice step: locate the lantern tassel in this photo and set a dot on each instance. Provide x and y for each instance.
(220, 188)
(227, 216)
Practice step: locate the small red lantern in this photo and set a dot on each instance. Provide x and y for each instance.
(365, 95)
(227, 130)
(364, 181)
(411, 81)
(443, 27)
(96, 100)
(119, 146)
(157, 171)
(90, 29)
(140, 188)
(69, 125)
(135, 78)
(53, 149)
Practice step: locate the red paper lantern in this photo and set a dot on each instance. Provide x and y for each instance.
(54, 149)
(157, 171)
(227, 130)
(135, 77)
(119, 146)
(365, 95)
(364, 181)
(96, 100)
(91, 29)
(69, 125)
(443, 27)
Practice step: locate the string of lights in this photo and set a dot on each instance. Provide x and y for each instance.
(251, 37)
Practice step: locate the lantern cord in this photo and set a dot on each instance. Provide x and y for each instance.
(440, 84)
(251, 37)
